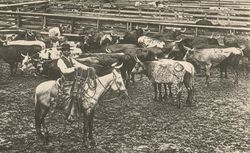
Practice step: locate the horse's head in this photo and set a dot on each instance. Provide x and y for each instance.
(118, 84)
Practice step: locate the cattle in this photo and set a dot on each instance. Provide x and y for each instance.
(12, 54)
(28, 43)
(166, 47)
(94, 42)
(240, 42)
(132, 50)
(170, 35)
(116, 48)
(170, 72)
(131, 37)
(211, 57)
(204, 22)
(20, 35)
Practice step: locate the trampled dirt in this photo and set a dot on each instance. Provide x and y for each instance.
(218, 121)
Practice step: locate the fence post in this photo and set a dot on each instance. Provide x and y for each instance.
(19, 20)
(139, 9)
(98, 24)
(72, 25)
(44, 22)
(196, 31)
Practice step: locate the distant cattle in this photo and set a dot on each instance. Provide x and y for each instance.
(167, 36)
(240, 42)
(94, 42)
(131, 37)
(210, 57)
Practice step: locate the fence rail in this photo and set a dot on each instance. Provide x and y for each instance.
(41, 20)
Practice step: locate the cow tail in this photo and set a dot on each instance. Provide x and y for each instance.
(37, 112)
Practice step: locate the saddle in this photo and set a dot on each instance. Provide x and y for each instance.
(76, 94)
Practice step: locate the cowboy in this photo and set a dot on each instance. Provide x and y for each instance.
(68, 66)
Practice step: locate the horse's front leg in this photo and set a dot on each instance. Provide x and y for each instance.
(85, 127)
(90, 123)
(38, 121)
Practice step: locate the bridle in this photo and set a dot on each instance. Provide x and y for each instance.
(105, 88)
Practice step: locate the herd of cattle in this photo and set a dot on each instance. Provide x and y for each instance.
(164, 57)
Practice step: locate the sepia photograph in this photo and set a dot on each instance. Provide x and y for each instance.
(124, 76)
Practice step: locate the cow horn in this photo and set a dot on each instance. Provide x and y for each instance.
(108, 50)
(242, 47)
(119, 66)
(136, 27)
(146, 28)
(37, 60)
(137, 59)
(212, 36)
(218, 37)
(177, 41)
(186, 48)
(184, 30)
(23, 55)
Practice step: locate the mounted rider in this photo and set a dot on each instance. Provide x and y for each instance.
(68, 67)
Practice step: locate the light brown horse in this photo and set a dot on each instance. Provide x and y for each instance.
(47, 91)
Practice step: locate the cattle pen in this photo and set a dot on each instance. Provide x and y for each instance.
(155, 115)
(125, 16)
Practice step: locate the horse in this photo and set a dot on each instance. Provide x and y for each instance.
(88, 100)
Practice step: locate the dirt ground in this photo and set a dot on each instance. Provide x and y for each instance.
(218, 121)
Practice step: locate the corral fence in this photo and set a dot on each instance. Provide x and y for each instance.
(124, 17)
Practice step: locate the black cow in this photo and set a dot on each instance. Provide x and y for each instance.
(131, 50)
(240, 42)
(94, 42)
(131, 37)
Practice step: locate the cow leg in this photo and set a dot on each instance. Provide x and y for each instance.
(236, 74)
(133, 77)
(155, 90)
(15, 68)
(170, 90)
(11, 69)
(90, 123)
(208, 67)
(225, 70)
(165, 89)
(221, 72)
(179, 92)
(189, 84)
(159, 89)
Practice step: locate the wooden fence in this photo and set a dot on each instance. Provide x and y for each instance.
(38, 21)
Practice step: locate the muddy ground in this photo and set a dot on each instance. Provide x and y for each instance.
(218, 121)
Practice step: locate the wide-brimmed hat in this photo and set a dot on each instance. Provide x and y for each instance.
(65, 47)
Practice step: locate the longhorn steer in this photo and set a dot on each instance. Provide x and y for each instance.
(210, 57)
(170, 72)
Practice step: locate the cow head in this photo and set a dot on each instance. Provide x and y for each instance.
(139, 67)
(189, 54)
(27, 65)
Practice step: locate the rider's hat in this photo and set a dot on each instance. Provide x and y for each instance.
(65, 47)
